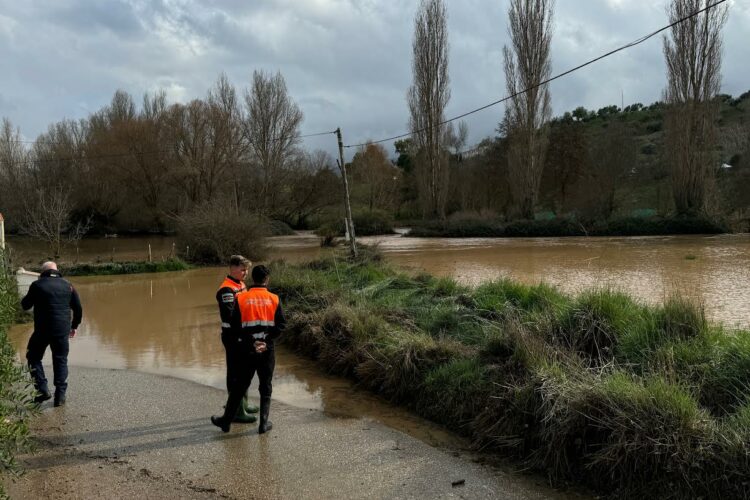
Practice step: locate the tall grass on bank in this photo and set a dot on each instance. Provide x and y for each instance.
(16, 393)
(632, 400)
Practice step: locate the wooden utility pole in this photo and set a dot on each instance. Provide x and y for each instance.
(348, 205)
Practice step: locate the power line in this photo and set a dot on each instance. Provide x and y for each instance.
(545, 82)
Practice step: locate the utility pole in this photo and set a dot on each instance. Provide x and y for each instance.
(348, 205)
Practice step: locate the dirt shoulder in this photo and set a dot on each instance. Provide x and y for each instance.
(128, 434)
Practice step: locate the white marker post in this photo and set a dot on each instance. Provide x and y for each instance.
(2, 233)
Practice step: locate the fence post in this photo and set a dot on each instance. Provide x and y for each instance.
(2, 232)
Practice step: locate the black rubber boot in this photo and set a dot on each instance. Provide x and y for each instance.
(59, 399)
(43, 396)
(221, 422)
(265, 424)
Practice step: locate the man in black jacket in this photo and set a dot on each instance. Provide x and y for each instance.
(52, 298)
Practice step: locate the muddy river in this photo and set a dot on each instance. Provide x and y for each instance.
(167, 323)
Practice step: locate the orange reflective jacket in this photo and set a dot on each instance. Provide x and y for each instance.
(257, 307)
(233, 285)
(225, 297)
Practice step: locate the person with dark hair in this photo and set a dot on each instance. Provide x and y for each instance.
(225, 296)
(53, 298)
(257, 321)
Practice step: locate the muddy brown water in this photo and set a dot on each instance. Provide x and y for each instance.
(167, 323)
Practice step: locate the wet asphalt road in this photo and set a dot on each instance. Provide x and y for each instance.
(126, 434)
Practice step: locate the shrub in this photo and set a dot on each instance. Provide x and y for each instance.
(461, 225)
(375, 222)
(212, 232)
(16, 391)
(727, 380)
(547, 228)
(618, 428)
(279, 228)
(366, 223)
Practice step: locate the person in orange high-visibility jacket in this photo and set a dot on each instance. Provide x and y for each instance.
(257, 321)
(233, 284)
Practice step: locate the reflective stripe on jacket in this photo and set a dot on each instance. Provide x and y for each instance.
(258, 313)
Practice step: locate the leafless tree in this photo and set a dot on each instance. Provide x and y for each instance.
(427, 98)
(693, 56)
(13, 158)
(226, 132)
(272, 130)
(377, 180)
(48, 218)
(527, 64)
(455, 137)
(312, 187)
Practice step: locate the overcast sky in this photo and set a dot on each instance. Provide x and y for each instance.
(347, 63)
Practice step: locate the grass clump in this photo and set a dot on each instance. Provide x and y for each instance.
(632, 400)
(597, 321)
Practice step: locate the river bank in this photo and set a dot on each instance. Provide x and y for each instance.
(475, 226)
(632, 400)
(149, 436)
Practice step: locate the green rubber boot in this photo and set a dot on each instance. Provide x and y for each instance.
(249, 408)
(243, 416)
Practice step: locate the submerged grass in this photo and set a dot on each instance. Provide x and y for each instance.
(135, 267)
(633, 400)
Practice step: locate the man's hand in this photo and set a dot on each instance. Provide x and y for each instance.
(260, 346)
(73, 333)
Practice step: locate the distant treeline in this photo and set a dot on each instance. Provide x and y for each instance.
(131, 168)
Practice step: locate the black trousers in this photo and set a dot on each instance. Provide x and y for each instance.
(242, 364)
(59, 344)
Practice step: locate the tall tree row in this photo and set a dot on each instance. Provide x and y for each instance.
(527, 64)
(693, 56)
(427, 98)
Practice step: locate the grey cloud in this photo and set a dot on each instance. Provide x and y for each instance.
(347, 63)
(91, 16)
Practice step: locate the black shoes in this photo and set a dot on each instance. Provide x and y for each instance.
(59, 399)
(43, 396)
(221, 423)
(265, 424)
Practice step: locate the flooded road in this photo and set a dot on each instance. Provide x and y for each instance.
(168, 324)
